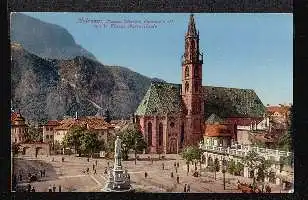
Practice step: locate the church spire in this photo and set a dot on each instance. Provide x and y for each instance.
(191, 31)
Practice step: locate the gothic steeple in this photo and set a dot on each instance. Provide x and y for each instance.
(191, 31)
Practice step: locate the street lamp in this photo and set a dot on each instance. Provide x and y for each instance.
(224, 172)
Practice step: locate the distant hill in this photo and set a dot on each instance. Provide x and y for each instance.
(49, 89)
(44, 39)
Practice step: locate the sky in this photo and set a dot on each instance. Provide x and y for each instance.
(241, 50)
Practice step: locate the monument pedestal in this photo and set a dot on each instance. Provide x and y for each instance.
(119, 179)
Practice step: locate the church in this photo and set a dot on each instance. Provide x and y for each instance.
(172, 116)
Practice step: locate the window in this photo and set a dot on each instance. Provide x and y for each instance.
(51, 136)
(196, 72)
(47, 136)
(186, 72)
(150, 134)
(182, 134)
(51, 128)
(196, 86)
(186, 87)
(172, 124)
(160, 133)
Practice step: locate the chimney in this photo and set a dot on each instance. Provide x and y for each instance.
(76, 115)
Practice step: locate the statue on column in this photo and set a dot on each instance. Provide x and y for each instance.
(117, 151)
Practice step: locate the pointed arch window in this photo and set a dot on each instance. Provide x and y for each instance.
(182, 134)
(186, 87)
(160, 133)
(196, 71)
(150, 134)
(186, 72)
(196, 86)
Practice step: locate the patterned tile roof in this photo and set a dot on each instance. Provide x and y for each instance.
(232, 102)
(163, 98)
(213, 119)
(16, 116)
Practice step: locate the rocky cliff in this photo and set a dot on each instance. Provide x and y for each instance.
(49, 88)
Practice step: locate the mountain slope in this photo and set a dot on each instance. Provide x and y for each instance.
(44, 39)
(49, 89)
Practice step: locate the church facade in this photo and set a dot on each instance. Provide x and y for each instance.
(172, 116)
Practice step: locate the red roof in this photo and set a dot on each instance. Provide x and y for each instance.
(243, 121)
(279, 109)
(214, 130)
(53, 123)
(16, 116)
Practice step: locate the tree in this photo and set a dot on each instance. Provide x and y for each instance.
(33, 135)
(110, 143)
(190, 154)
(239, 167)
(107, 116)
(132, 138)
(89, 143)
(285, 141)
(253, 161)
(73, 138)
(231, 167)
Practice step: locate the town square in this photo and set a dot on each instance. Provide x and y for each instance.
(78, 125)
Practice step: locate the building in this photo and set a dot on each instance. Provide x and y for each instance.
(279, 114)
(49, 131)
(219, 133)
(18, 128)
(172, 116)
(93, 123)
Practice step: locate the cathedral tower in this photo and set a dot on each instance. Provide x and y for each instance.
(192, 62)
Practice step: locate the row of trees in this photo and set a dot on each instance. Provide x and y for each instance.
(83, 141)
(252, 160)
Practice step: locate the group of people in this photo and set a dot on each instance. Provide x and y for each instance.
(53, 188)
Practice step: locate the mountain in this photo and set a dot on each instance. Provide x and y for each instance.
(51, 88)
(44, 39)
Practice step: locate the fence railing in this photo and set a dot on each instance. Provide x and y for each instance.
(242, 150)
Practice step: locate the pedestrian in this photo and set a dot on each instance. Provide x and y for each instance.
(176, 170)
(96, 162)
(88, 159)
(145, 174)
(93, 166)
(28, 187)
(62, 159)
(87, 169)
(163, 165)
(20, 177)
(178, 165)
(174, 164)
(171, 174)
(44, 172)
(53, 159)
(188, 188)
(54, 188)
(178, 179)
(41, 173)
(60, 188)
(32, 190)
(94, 171)
(49, 188)
(108, 164)
(185, 187)
(105, 172)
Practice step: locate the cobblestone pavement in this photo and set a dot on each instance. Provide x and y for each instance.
(71, 175)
